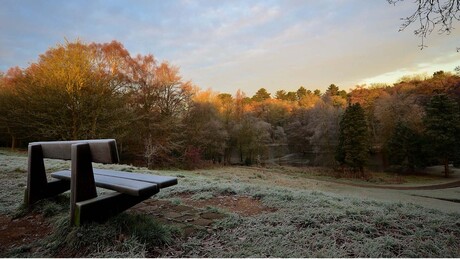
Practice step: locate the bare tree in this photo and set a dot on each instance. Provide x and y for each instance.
(431, 15)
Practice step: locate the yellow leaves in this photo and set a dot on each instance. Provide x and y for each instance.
(309, 100)
(66, 67)
(339, 101)
(207, 96)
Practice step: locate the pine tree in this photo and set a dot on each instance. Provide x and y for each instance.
(352, 150)
(405, 148)
(442, 122)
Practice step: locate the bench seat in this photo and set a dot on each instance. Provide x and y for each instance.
(161, 181)
(123, 185)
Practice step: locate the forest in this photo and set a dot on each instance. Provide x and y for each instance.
(80, 90)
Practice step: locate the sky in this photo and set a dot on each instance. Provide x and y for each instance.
(239, 44)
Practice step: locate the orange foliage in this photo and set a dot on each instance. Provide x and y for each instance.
(207, 96)
(10, 78)
(365, 96)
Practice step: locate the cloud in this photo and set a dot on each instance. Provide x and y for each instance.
(226, 45)
(445, 63)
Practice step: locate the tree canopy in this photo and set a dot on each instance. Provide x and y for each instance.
(78, 90)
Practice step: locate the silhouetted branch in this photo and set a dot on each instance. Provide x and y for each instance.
(431, 14)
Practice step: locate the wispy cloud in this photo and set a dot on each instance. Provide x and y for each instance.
(228, 45)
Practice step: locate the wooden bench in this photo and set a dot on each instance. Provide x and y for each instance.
(82, 180)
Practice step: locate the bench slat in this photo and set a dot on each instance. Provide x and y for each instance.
(162, 181)
(128, 186)
(102, 150)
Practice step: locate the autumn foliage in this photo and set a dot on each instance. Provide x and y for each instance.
(82, 91)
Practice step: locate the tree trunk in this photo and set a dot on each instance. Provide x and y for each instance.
(446, 167)
(13, 142)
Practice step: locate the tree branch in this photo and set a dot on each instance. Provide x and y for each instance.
(431, 14)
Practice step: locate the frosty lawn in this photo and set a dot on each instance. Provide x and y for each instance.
(303, 223)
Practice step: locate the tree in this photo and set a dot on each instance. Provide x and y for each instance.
(261, 95)
(205, 132)
(431, 14)
(301, 92)
(8, 107)
(324, 128)
(240, 105)
(298, 131)
(352, 149)
(442, 122)
(280, 95)
(332, 90)
(309, 100)
(272, 111)
(225, 107)
(291, 96)
(160, 99)
(397, 108)
(405, 148)
(367, 97)
(251, 135)
(68, 94)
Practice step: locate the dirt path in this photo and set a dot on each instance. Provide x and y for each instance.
(443, 197)
(192, 215)
(453, 184)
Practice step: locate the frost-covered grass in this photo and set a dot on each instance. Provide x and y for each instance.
(306, 222)
(13, 180)
(318, 225)
(125, 235)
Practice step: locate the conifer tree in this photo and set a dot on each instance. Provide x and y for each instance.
(442, 122)
(353, 139)
(405, 148)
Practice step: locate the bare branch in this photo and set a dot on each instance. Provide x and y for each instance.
(431, 14)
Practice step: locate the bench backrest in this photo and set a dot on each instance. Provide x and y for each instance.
(102, 150)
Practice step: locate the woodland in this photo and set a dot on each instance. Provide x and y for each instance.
(80, 90)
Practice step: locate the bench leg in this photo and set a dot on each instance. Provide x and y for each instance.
(82, 185)
(85, 205)
(37, 185)
(101, 208)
